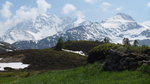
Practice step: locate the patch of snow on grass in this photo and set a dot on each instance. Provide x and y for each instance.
(8, 50)
(14, 65)
(77, 52)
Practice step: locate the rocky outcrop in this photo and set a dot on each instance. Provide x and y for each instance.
(6, 47)
(118, 61)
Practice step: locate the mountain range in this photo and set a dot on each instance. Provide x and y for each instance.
(45, 30)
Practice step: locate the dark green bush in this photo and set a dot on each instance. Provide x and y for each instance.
(98, 53)
(84, 46)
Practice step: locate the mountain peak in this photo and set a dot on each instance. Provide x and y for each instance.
(124, 16)
(120, 17)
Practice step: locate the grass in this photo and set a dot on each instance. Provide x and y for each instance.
(90, 74)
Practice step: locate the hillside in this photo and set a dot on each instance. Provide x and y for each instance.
(46, 59)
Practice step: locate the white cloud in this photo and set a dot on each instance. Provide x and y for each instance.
(148, 4)
(24, 13)
(68, 8)
(43, 6)
(90, 1)
(5, 11)
(105, 6)
(119, 9)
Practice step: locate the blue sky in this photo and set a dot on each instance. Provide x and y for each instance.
(94, 10)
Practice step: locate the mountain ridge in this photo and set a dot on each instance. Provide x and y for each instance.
(116, 28)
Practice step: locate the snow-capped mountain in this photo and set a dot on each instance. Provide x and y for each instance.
(36, 29)
(116, 28)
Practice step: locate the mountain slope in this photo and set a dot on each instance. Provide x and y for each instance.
(36, 29)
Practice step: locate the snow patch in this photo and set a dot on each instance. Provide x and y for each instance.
(14, 65)
(77, 52)
(8, 50)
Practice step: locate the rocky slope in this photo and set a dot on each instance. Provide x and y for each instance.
(6, 47)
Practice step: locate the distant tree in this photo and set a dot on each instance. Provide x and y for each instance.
(60, 44)
(135, 43)
(126, 41)
(106, 40)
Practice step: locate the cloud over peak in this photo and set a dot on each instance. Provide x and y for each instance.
(43, 6)
(68, 8)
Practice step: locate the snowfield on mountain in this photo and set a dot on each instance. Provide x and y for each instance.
(45, 30)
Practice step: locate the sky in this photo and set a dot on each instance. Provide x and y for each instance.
(15, 11)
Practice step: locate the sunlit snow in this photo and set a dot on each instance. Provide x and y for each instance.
(14, 65)
(77, 52)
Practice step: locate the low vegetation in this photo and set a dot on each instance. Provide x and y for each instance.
(145, 69)
(90, 74)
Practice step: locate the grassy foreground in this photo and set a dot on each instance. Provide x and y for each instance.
(90, 74)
